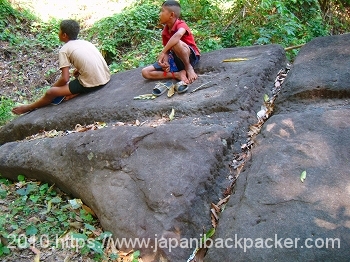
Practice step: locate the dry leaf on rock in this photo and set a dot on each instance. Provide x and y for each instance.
(37, 258)
(172, 114)
(89, 210)
(254, 130)
(303, 176)
(76, 225)
(35, 250)
(75, 203)
(119, 124)
(262, 113)
(217, 209)
(214, 217)
(171, 91)
(235, 59)
(158, 122)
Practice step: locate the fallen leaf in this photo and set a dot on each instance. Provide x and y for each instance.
(90, 156)
(145, 97)
(101, 124)
(49, 205)
(266, 98)
(75, 203)
(214, 222)
(35, 250)
(223, 201)
(262, 113)
(76, 225)
(303, 176)
(37, 258)
(217, 209)
(172, 114)
(213, 211)
(171, 91)
(254, 129)
(235, 60)
(88, 210)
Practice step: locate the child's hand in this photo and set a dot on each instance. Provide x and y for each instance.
(76, 73)
(163, 60)
(166, 67)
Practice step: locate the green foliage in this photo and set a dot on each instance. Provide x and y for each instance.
(23, 29)
(38, 215)
(264, 23)
(4, 250)
(200, 10)
(129, 39)
(46, 34)
(135, 256)
(6, 105)
(11, 23)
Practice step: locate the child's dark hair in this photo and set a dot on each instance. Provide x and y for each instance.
(71, 28)
(174, 6)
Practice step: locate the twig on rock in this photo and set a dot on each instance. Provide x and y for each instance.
(196, 89)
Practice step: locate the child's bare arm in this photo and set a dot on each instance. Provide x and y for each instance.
(163, 61)
(64, 77)
(76, 73)
(174, 40)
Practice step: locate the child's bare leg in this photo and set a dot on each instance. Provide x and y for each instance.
(70, 97)
(182, 76)
(151, 73)
(183, 52)
(43, 101)
(19, 110)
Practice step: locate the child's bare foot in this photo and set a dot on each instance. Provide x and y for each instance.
(182, 76)
(70, 97)
(18, 110)
(191, 75)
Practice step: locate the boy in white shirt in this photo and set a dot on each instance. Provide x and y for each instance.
(91, 70)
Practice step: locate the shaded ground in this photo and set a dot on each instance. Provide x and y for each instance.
(25, 74)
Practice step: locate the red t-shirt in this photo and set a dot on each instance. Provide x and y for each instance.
(186, 38)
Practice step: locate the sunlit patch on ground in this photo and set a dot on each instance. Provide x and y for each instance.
(87, 10)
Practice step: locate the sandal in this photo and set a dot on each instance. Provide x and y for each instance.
(57, 100)
(181, 87)
(160, 88)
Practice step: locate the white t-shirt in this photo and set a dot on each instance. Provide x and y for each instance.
(86, 58)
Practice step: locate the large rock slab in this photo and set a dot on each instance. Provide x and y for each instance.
(154, 179)
(228, 87)
(278, 217)
(321, 71)
(141, 182)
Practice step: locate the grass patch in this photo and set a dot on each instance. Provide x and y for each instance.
(39, 217)
(6, 105)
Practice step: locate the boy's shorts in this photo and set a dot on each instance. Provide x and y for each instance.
(76, 88)
(176, 63)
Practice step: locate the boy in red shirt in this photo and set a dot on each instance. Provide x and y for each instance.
(180, 52)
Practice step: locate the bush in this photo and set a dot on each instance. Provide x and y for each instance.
(6, 105)
(46, 34)
(11, 23)
(129, 39)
